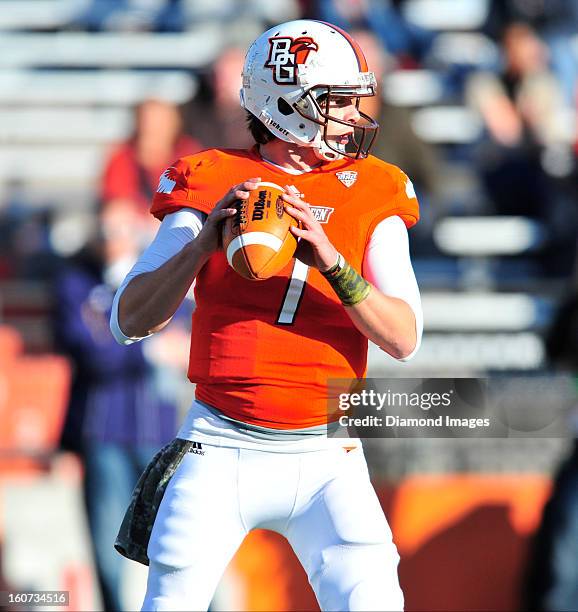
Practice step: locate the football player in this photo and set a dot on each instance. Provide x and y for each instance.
(253, 451)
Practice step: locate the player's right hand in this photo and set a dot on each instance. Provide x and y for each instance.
(209, 238)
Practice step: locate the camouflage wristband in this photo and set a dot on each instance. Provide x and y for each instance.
(350, 287)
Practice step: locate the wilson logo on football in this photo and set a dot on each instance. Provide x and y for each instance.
(259, 208)
(285, 54)
(322, 213)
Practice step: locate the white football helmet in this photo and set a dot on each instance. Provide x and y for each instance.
(289, 73)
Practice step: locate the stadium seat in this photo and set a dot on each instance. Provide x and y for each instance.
(37, 14)
(446, 14)
(447, 124)
(461, 353)
(47, 125)
(488, 236)
(89, 88)
(468, 49)
(478, 311)
(194, 49)
(412, 87)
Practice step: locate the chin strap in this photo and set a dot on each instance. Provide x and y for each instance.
(326, 154)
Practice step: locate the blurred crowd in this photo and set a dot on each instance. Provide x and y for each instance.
(522, 162)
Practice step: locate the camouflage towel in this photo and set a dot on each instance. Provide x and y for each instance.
(134, 534)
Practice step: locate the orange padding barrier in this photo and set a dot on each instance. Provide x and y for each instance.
(33, 398)
(11, 344)
(463, 540)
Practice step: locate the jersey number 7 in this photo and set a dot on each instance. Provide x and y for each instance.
(293, 293)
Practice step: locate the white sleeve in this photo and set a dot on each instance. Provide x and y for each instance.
(387, 265)
(176, 231)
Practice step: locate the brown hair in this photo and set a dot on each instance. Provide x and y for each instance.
(259, 132)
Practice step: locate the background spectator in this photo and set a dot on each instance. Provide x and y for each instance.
(524, 113)
(116, 417)
(216, 116)
(133, 169)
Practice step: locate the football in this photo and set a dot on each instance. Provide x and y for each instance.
(257, 240)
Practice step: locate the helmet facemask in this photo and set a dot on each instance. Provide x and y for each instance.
(314, 106)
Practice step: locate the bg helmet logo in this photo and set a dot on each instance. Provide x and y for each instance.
(285, 54)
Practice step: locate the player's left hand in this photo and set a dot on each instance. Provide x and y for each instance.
(314, 248)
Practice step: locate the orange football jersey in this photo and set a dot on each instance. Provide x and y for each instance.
(263, 352)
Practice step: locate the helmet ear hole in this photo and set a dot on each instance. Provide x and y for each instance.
(284, 107)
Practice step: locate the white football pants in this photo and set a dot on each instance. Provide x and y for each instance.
(321, 501)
